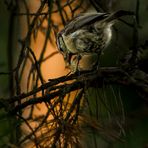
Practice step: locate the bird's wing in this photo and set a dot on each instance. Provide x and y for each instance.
(82, 20)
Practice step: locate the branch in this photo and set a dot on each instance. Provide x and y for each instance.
(60, 86)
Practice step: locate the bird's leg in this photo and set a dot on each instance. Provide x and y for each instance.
(78, 60)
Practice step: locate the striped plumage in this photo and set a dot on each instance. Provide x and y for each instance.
(85, 37)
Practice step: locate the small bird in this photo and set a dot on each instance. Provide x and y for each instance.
(84, 39)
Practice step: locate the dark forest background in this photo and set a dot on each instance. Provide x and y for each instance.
(111, 113)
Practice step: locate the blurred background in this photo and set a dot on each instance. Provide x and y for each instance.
(122, 101)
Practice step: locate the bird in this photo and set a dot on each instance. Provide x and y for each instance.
(85, 37)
